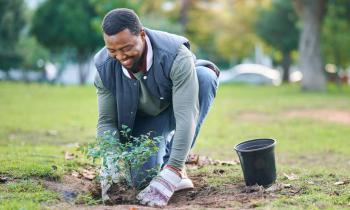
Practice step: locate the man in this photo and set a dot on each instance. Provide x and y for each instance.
(150, 81)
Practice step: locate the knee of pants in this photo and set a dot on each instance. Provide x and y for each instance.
(207, 80)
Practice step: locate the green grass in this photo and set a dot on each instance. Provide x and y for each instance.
(25, 194)
(227, 125)
(40, 122)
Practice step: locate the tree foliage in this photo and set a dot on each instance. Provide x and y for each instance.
(222, 31)
(11, 23)
(67, 25)
(277, 27)
(33, 54)
(335, 33)
(151, 13)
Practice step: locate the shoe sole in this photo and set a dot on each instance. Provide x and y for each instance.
(185, 184)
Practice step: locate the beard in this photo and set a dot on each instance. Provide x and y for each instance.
(134, 68)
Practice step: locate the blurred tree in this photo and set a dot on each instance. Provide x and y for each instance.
(34, 55)
(66, 24)
(196, 21)
(311, 13)
(335, 33)
(236, 37)
(223, 31)
(11, 23)
(104, 6)
(277, 27)
(151, 13)
(184, 9)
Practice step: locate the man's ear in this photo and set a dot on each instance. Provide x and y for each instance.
(143, 33)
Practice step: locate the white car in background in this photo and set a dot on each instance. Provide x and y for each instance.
(256, 74)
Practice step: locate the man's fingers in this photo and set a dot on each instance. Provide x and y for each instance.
(143, 202)
(158, 203)
(142, 194)
(150, 197)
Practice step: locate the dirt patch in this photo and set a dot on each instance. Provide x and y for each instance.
(205, 195)
(326, 115)
(236, 196)
(70, 187)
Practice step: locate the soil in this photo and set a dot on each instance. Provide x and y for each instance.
(233, 196)
(325, 115)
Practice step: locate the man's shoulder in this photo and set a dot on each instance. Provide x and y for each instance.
(166, 41)
(101, 57)
(168, 35)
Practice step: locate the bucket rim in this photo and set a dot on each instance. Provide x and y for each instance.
(254, 150)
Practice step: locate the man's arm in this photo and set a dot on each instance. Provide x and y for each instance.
(185, 104)
(107, 113)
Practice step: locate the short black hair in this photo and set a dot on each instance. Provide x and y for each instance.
(120, 19)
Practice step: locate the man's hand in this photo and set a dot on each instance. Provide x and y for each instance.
(161, 188)
(109, 175)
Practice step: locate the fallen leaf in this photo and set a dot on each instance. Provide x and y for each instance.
(76, 174)
(295, 190)
(291, 176)
(254, 188)
(89, 174)
(341, 182)
(192, 159)
(275, 188)
(3, 179)
(204, 160)
(287, 185)
(68, 155)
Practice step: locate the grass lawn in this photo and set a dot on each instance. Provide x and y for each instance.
(40, 123)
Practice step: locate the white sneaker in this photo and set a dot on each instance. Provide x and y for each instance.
(184, 184)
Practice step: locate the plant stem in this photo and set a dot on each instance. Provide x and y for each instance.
(131, 176)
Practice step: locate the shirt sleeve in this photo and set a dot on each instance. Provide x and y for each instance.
(185, 104)
(107, 113)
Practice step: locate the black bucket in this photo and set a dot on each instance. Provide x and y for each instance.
(257, 159)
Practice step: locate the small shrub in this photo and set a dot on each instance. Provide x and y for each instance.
(127, 158)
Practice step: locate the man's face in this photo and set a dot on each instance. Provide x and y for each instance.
(126, 47)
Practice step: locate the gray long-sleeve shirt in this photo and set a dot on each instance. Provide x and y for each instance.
(185, 105)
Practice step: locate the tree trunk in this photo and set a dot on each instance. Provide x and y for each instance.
(185, 5)
(311, 13)
(286, 61)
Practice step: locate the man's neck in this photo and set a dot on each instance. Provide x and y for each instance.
(141, 65)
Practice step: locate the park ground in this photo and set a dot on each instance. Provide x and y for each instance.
(42, 126)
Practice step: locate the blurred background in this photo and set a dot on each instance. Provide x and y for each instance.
(252, 41)
(285, 75)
